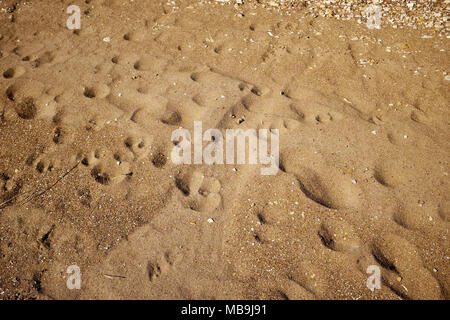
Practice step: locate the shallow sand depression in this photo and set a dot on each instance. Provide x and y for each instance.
(87, 178)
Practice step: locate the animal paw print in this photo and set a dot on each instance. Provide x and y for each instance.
(139, 146)
(9, 188)
(107, 169)
(156, 269)
(202, 193)
(62, 135)
(30, 100)
(339, 235)
(317, 113)
(43, 161)
(402, 268)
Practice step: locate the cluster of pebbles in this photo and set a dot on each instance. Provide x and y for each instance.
(416, 14)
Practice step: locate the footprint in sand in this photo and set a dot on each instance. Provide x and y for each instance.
(29, 100)
(138, 145)
(330, 189)
(10, 187)
(14, 72)
(45, 58)
(99, 91)
(271, 105)
(163, 265)
(125, 59)
(138, 35)
(338, 235)
(419, 116)
(159, 159)
(150, 63)
(402, 268)
(427, 218)
(45, 159)
(28, 51)
(200, 193)
(137, 104)
(62, 135)
(324, 184)
(278, 103)
(107, 168)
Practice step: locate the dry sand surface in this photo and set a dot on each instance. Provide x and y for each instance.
(86, 176)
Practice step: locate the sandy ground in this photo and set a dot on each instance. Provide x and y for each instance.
(86, 176)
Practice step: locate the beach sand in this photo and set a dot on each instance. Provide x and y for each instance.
(87, 179)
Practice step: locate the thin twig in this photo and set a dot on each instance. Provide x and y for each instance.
(110, 276)
(34, 195)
